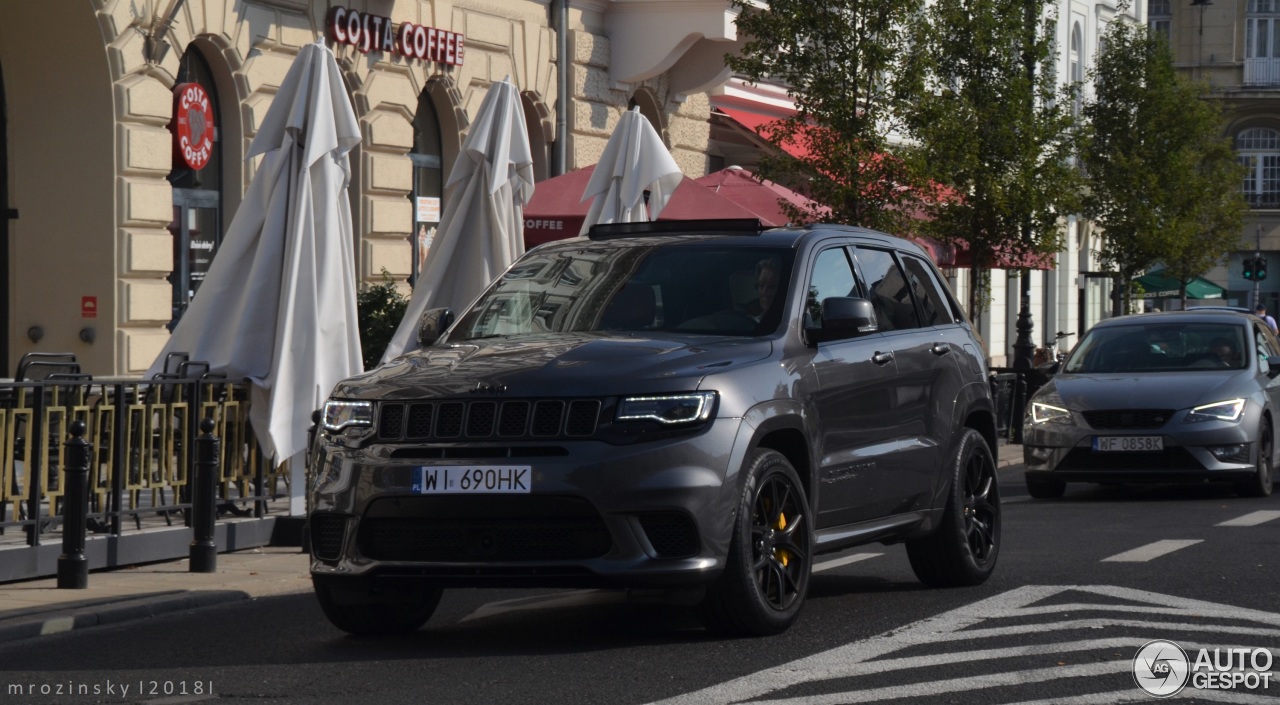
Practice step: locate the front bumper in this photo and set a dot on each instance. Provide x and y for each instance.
(651, 514)
(1066, 453)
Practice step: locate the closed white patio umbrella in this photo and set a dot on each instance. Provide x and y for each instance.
(481, 229)
(635, 161)
(278, 305)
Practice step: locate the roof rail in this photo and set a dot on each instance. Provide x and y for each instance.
(725, 226)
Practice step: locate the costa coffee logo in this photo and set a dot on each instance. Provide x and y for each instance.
(192, 125)
(376, 33)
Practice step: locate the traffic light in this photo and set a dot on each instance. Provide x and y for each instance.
(1250, 268)
(1260, 268)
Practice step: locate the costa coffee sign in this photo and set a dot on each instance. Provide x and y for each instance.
(192, 125)
(368, 33)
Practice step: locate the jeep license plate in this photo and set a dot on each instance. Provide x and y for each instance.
(472, 479)
(1132, 444)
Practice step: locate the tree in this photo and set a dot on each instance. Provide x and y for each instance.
(841, 62)
(1162, 179)
(988, 124)
(379, 309)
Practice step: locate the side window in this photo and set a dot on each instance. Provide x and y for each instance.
(888, 290)
(1266, 345)
(934, 306)
(832, 276)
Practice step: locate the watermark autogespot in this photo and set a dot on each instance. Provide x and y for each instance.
(1161, 668)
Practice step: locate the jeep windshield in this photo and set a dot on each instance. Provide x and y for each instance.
(614, 287)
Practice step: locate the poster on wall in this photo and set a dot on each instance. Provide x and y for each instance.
(428, 210)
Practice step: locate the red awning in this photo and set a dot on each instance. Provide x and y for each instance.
(762, 197)
(756, 122)
(557, 210)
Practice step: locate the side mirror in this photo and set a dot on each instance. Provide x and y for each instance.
(845, 317)
(433, 323)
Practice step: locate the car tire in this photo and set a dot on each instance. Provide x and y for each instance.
(964, 547)
(1046, 488)
(766, 574)
(357, 611)
(1264, 477)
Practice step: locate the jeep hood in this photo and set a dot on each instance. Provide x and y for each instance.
(569, 365)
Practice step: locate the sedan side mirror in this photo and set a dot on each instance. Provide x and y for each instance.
(845, 317)
(433, 323)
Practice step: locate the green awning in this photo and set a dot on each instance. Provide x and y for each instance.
(1157, 285)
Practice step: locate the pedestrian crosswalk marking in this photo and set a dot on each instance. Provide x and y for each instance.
(1252, 518)
(1142, 554)
(965, 624)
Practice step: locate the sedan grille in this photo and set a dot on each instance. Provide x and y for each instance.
(1128, 418)
(488, 419)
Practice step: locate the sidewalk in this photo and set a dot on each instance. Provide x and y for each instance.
(37, 607)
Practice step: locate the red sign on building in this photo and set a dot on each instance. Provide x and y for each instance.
(192, 125)
(88, 307)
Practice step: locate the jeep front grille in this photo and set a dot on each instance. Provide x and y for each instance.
(487, 419)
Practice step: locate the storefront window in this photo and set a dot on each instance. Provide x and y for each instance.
(197, 198)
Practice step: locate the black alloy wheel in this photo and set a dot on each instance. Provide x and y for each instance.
(779, 542)
(980, 513)
(767, 568)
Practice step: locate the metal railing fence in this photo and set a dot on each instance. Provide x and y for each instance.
(142, 436)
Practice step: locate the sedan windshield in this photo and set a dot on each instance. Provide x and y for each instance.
(696, 289)
(1164, 346)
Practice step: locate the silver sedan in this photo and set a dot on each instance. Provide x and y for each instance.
(1187, 396)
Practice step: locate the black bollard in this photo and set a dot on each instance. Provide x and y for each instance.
(204, 498)
(1019, 407)
(73, 567)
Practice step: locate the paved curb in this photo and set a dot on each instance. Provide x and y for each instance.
(117, 612)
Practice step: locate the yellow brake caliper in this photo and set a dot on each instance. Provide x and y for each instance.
(782, 553)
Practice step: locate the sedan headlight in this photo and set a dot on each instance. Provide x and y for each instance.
(1048, 413)
(341, 415)
(668, 409)
(1218, 411)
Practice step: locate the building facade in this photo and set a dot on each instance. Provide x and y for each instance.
(1234, 46)
(124, 125)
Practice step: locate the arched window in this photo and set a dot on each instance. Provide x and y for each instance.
(1160, 18)
(1077, 65)
(428, 181)
(197, 192)
(1258, 149)
(651, 110)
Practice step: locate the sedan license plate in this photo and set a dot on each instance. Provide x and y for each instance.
(472, 479)
(1132, 444)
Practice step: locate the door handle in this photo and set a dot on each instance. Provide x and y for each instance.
(882, 358)
(940, 349)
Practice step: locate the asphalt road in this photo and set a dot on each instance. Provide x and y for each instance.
(1083, 582)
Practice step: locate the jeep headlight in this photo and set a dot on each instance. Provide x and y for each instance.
(668, 409)
(1218, 411)
(348, 420)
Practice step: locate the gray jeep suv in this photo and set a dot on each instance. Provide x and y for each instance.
(697, 406)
